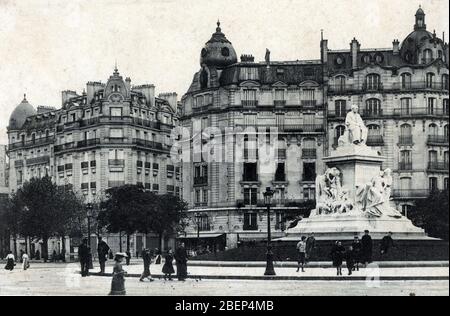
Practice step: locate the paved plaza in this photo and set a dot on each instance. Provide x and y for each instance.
(62, 279)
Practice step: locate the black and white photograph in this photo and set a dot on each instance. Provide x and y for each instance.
(224, 153)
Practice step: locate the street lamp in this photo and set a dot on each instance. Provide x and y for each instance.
(198, 218)
(89, 214)
(269, 263)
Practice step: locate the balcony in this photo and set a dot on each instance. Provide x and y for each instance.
(438, 140)
(114, 184)
(62, 147)
(419, 85)
(308, 104)
(31, 143)
(280, 177)
(372, 114)
(343, 89)
(199, 181)
(253, 178)
(38, 160)
(279, 103)
(405, 166)
(406, 140)
(435, 166)
(147, 144)
(250, 227)
(373, 87)
(410, 194)
(88, 143)
(375, 140)
(289, 128)
(337, 114)
(309, 153)
(116, 162)
(249, 103)
(420, 112)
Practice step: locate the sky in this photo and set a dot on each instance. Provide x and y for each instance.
(47, 46)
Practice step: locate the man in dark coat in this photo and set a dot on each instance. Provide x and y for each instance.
(386, 243)
(103, 250)
(310, 246)
(366, 248)
(84, 253)
(357, 248)
(181, 258)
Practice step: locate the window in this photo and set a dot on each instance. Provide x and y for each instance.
(405, 106)
(374, 137)
(250, 172)
(405, 160)
(338, 132)
(279, 95)
(405, 184)
(430, 80)
(249, 73)
(427, 56)
(373, 82)
(405, 134)
(431, 106)
(205, 197)
(309, 171)
(115, 112)
(197, 196)
(340, 83)
(406, 209)
(445, 82)
(433, 184)
(433, 156)
(445, 106)
(249, 95)
(280, 174)
(373, 107)
(433, 130)
(250, 221)
(406, 81)
(308, 96)
(309, 193)
(250, 196)
(340, 107)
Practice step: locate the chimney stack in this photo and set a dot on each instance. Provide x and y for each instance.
(354, 49)
(396, 47)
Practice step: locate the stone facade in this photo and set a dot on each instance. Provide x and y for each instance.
(402, 93)
(110, 135)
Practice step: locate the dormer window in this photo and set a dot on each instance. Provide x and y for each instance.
(427, 56)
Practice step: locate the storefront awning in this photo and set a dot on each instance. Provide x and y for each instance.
(202, 236)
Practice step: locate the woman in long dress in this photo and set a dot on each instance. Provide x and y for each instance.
(337, 255)
(118, 280)
(10, 261)
(168, 269)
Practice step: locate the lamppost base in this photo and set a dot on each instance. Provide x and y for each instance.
(270, 271)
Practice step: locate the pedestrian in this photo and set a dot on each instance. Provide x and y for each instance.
(181, 258)
(118, 280)
(128, 257)
(158, 256)
(147, 258)
(386, 243)
(366, 248)
(54, 256)
(168, 269)
(337, 255)
(25, 261)
(357, 248)
(21, 255)
(84, 253)
(350, 260)
(301, 248)
(103, 250)
(10, 261)
(310, 246)
(37, 255)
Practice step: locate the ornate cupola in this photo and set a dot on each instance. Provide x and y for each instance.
(218, 51)
(420, 20)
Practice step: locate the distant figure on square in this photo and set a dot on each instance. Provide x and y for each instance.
(102, 250)
(10, 261)
(310, 246)
(350, 260)
(366, 248)
(301, 248)
(25, 261)
(147, 259)
(357, 249)
(337, 255)
(181, 258)
(118, 280)
(128, 257)
(387, 243)
(168, 269)
(84, 254)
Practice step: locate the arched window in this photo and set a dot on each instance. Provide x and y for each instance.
(406, 81)
(433, 130)
(340, 108)
(373, 107)
(444, 82)
(433, 184)
(373, 82)
(430, 80)
(405, 162)
(427, 56)
(405, 134)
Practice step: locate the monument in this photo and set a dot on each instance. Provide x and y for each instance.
(354, 194)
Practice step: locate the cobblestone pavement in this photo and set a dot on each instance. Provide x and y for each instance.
(63, 280)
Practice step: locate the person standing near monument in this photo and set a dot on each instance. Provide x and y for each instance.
(181, 258)
(103, 250)
(10, 261)
(355, 125)
(301, 247)
(310, 246)
(337, 255)
(386, 243)
(357, 248)
(367, 248)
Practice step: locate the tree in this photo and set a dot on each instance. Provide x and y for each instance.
(44, 210)
(121, 209)
(432, 215)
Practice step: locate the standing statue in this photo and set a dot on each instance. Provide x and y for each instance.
(357, 131)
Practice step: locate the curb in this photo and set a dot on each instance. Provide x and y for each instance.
(317, 264)
(290, 278)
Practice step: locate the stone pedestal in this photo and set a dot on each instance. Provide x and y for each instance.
(358, 164)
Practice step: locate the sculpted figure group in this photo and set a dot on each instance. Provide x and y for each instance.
(331, 197)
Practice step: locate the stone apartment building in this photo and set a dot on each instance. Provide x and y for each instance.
(110, 135)
(402, 93)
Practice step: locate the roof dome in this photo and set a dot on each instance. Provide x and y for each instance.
(20, 114)
(218, 51)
